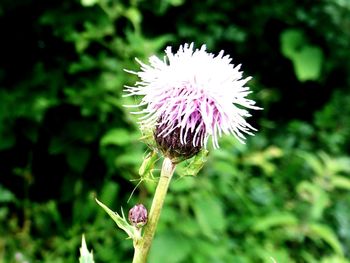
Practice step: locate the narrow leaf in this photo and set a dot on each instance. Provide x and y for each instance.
(341, 182)
(275, 220)
(324, 232)
(120, 221)
(85, 255)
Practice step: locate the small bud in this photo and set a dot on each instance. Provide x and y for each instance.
(138, 216)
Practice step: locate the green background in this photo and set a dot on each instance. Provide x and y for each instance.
(65, 136)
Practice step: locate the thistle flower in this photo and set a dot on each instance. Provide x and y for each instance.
(190, 96)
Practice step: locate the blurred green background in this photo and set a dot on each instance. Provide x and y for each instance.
(65, 136)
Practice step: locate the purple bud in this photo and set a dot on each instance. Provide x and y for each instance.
(138, 215)
(174, 146)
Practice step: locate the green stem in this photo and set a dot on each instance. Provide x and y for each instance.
(143, 245)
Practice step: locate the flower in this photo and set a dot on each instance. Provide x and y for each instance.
(192, 95)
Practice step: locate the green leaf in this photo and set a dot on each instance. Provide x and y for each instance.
(335, 259)
(176, 2)
(336, 165)
(275, 220)
(308, 63)
(129, 158)
(307, 59)
(319, 231)
(170, 247)
(184, 184)
(314, 162)
(119, 137)
(134, 16)
(225, 168)
(194, 165)
(210, 215)
(88, 2)
(316, 196)
(291, 41)
(85, 255)
(6, 195)
(121, 222)
(77, 158)
(109, 192)
(340, 182)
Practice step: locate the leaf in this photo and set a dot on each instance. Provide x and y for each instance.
(307, 59)
(275, 220)
(121, 222)
(6, 195)
(210, 215)
(184, 184)
(264, 158)
(77, 158)
(308, 63)
(316, 196)
(225, 168)
(88, 3)
(119, 137)
(109, 192)
(291, 41)
(335, 259)
(85, 255)
(134, 16)
(129, 158)
(170, 247)
(314, 162)
(337, 165)
(196, 163)
(340, 182)
(324, 232)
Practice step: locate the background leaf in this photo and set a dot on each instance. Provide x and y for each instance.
(66, 138)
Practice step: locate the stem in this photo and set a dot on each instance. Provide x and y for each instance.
(143, 245)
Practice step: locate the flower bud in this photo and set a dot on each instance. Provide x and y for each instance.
(138, 216)
(176, 146)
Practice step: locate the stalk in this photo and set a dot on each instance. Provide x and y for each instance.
(143, 245)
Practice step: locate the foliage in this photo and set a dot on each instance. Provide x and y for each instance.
(85, 255)
(65, 137)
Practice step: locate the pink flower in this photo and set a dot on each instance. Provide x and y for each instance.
(193, 95)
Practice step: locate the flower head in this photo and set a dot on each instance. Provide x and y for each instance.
(192, 95)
